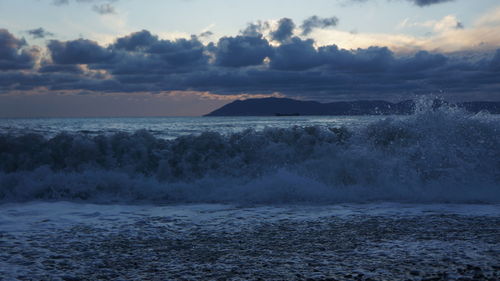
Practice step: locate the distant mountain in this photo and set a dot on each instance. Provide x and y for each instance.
(290, 107)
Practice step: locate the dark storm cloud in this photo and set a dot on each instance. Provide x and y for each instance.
(60, 2)
(144, 46)
(420, 3)
(142, 62)
(10, 80)
(102, 7)
(495, 62)
(66, 2)
(372, 59)
(301, 55)
(284, 31)
(423, 3)
(316, 22)
(39, 33)
(421, 61)
(255, 29)
(207, 33)
(242, 51)
(63, 68)
(79, 51)
(9, 43)
(295, 55)
(29, 81)
(142, 52)
(160, 56)
(13, 52)
(136, 41)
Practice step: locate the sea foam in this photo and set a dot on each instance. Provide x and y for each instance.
(441, 154)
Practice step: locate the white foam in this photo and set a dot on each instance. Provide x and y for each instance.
(437, 155)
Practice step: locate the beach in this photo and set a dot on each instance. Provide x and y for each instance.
(376, 241)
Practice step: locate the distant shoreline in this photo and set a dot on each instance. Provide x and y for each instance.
(282, 107)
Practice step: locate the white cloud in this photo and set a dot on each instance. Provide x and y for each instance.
(448, 22)
(490, 19)
(448, 35)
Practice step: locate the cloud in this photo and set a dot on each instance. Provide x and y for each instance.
(297, 54)
(79, 51)
(136, 41)
(421, 61)
(207, 33)
(492, 18)
(284, 31)
(449, 22)
(423, 3)
(255, 29)
(60, 68)
(60, 2)
(39, 33)
(420, 3)
(104, 9)
(243, 64)
(447, 35)
(242, 51)
(143, 52)
(315, 22)
(13, 52)
(66, 2)
(495, 62)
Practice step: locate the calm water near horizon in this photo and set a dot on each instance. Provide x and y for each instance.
(172, 127)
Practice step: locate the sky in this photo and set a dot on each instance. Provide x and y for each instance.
(76, 58)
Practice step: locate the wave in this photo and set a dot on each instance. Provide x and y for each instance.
(439, 154)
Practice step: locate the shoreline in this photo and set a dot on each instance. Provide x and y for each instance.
(68, 241)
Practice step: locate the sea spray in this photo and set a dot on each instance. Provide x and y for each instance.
(439, 154)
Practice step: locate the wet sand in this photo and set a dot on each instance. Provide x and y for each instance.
(217, 242)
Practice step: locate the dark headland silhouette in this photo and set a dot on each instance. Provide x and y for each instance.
(291, 107)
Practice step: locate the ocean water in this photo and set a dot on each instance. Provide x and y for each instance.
(277, 198)
(437, 155)
(170, 127)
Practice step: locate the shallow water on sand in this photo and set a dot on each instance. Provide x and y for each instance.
(389, 241)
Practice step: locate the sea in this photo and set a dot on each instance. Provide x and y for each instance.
(276, 198)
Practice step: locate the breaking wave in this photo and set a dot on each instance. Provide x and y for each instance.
(436, 155)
